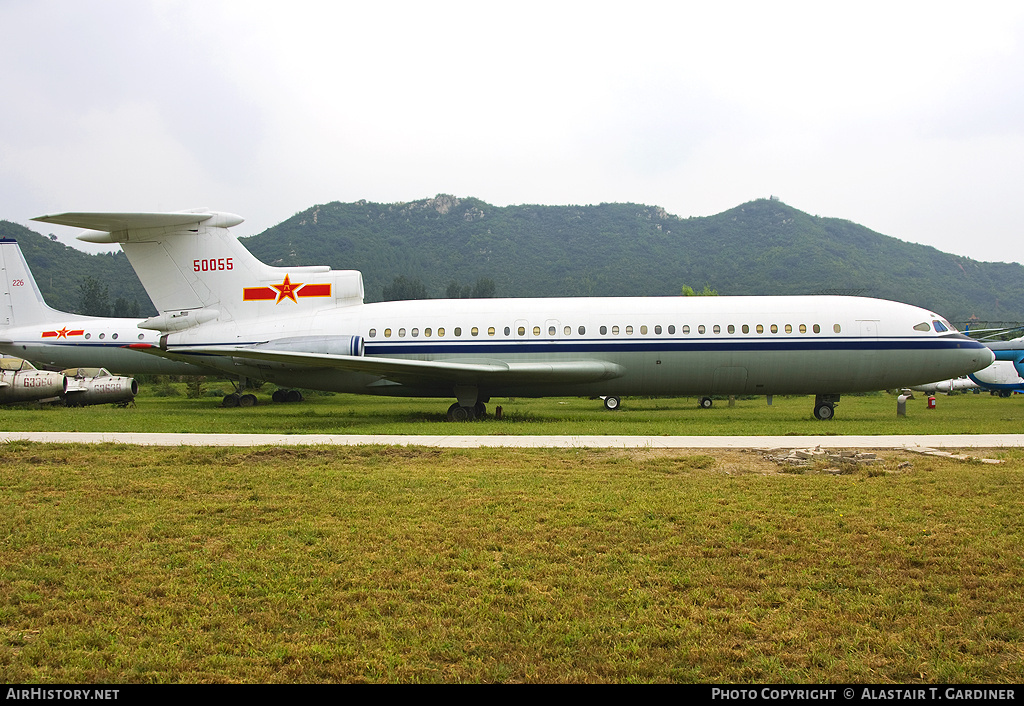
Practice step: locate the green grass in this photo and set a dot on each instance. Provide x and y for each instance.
(354, 414)
(391, 564)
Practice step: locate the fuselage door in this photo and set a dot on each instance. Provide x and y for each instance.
(868, 328)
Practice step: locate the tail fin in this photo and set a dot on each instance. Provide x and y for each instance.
(23, 304)
(194, 270)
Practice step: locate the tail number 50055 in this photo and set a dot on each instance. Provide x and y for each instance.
(212, 265)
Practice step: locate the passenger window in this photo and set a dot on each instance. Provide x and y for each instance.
(508, 331)
(816, 328)
(521, 330)
(401, 333)
(686, 330)
(440, 332)
(615, 330)
(536, 330)
(490, 331)
(604, 330)
(629, 330)
(657, 330)
(775, 328)
(387, 333)
(835, 327)
(567, 330)
(789, 328)
(415, 332)
(803, 328)
(114, 336)
(474, 331)
(643, 330)
(760, 328)
(583, 330)
(672, 330)
(426, 332)
(552, 330)
(717, 329)
(746, 328)
(458, 331)
(372, 333)
(732, 329)
(700, 329)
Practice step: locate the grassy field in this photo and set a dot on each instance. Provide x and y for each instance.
(388, 564)
(354, 414)
(408, 564)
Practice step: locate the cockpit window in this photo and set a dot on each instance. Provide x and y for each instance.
(939, 327)
(923, 326)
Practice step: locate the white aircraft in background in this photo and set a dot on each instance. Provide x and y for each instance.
(32, 330)
(1005, 376)
(308, 327)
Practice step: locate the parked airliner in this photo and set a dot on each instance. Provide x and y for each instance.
(308, 327)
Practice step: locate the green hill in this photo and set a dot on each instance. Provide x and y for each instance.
(760, 248)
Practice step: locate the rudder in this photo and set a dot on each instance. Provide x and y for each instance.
(23, 303)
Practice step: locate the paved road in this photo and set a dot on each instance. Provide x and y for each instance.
(942, 441)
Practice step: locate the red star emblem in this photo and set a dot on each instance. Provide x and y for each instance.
(62, 333)
(286, 290)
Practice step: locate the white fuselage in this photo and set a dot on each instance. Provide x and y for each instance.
(654, 345)
(90, 342)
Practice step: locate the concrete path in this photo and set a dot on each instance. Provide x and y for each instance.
(942, 441)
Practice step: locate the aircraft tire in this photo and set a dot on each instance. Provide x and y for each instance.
(230, 400)
(279, 395)
(247, 400)
(458, 413)
(479, 410)
(824, 411)
(293, 396)
(612, 403)
(706, 402)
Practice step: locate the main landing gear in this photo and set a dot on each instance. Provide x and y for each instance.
(282, 395)
(237, 400)
(461, 413)
(824, 406)
(241, 398)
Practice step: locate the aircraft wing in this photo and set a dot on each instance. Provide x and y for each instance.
(414, 372)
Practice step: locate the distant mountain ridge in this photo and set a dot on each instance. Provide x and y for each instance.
(758, 248)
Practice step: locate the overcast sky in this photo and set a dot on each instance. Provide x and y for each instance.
(905, 117)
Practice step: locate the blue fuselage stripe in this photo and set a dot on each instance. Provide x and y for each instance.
(662, 345)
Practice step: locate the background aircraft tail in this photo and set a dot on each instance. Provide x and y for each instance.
(23, 304)
(195, 270)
